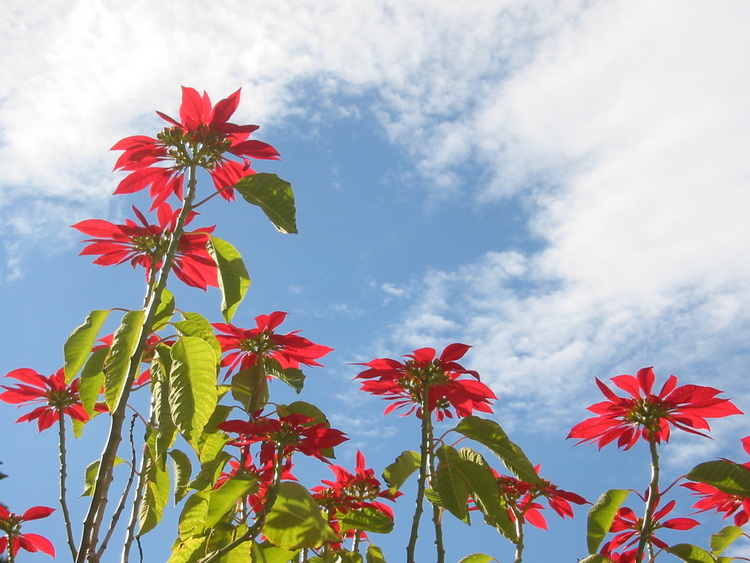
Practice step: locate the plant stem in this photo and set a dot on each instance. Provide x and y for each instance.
(519, 533)
(651, 501)
(138, 492)
(63, 485)
(92, 523)
(423, 470)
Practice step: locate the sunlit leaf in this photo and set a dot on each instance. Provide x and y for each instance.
(164, 311)
(250, 388)
(192, 386)
(368, 519)
(490, 434)
(724, 538)
(727, 476)
(194, 324)
(193, 515)
(265, 552)
(274, 196)
(90, 476)
(155, 496)
(186, 551)
(233, 277)
(182, 472)
(374, 554)
(596, 558)
(117, 364)
(401, 469)
(92, 380)
(224, 499)
(451, 483)
(690, 553)
(477, 558)
(80, 342)
(601, 516)
(295, 520)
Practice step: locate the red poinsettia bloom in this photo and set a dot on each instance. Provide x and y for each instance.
(248, 347)
(646, 415)
(405, 383)
(204, 137)
(520, 498)
(628, 527)
(14, 540)
(711, 498)
(52, 392)
(353, 491)
(280, 438)
(145, 245)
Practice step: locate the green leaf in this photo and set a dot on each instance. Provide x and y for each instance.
(596, 558)
(233, 277)
(117, 363)
(80, 342)
(601, 516)
(182, 471)
(193, 324)
(724, 538)
(210, 471)
(90, 476)
(188, 551)
(690, 553)
(451, 484)
(164, 311)
(295, 520)
(490, 434)
(401, 469)
(477, 558)
(308, 409)
(374, 554)
(193, 515)
(727, 476)
(156, 494)
(250, 388)
(274, 196)
(291, 376)
(92, 380)
(486, 493)
(166, 431)
(225, 498)
(265, 552)
(192, 386)
(368, 519)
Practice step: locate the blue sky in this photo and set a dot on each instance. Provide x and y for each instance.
(560, 184)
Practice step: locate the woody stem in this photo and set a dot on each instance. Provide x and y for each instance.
(652, 500)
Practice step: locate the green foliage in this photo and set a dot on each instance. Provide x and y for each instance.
(90, 476)
(691, 553)
(401, 469)
(601, 516)
(78, 345)
(156, 493)
(295, 520)
(274, 196)
(451, 483)
(727, 476)
(117, 364)
(491, 435)
(233, 277)
(92, 380)
(192, 386)
(367, 519)
(266, 552)
(182, 471)
(723, 539)
(374, 554)
(477, 558)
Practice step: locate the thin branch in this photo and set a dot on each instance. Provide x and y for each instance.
(63, 485)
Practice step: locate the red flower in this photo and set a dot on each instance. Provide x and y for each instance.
(145, 245)
(289, 350)
(353, 491)
(520, 499)
(648, 416)
(11, 524)
(52, 392)
(631, 528)
(202, 137)
(711, 498)
(281, 437)
(404, 383)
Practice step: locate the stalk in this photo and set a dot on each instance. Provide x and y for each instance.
(519, 534)
(63, 485)
(653, 498)
(93, 521)
(424, 449)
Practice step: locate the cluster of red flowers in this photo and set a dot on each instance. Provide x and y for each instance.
(14, 540)
(425, 379)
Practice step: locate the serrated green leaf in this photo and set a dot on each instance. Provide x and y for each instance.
(295, 520)
(233, 277)
(486, 493)
(156, 493)
(182, 473)
(92, 380)
(477, 558)
(451, 483)
(118, 361)
(401, 469)
(225, 498)
(490, 434)
(212, 439)
(274, 196)
(192, 386)
(368, 519)
(374, 554)
(690, 553)
(601, 516)
(194, 324)
(723, 539)
(193, 515)
(188, 551)
(166, 430)
(727, 476)
(265, 552)
(210, 471)
(80, 342)
(90, 476)
(164, 311)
